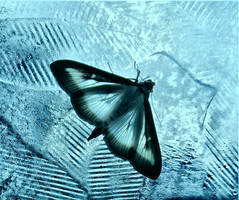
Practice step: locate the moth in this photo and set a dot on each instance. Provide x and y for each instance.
(118, 108)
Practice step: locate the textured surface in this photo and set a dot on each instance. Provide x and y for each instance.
(44, 150)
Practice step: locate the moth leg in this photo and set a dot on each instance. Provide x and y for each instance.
(95, 133)
(110, 68)
(138, 72)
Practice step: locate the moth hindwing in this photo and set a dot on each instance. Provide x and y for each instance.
(118, 108)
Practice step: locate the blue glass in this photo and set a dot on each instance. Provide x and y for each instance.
(189, 49)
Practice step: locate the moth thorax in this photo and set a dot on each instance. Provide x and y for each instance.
(147, 85)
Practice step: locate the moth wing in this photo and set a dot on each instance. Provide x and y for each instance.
(94, 93)
(73, 76)
(132, 136)
(96, 104)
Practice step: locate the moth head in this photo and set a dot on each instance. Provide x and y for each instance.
(148, 85)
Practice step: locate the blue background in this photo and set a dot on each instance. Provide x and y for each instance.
(44, 150)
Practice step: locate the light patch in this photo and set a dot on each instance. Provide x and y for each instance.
(172, 79)
(74, 74)
(78, 80)
(102, 105)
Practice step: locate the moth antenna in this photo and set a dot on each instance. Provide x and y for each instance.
(138, 72)
(155, 110)
(110, 67)
(146, 77)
